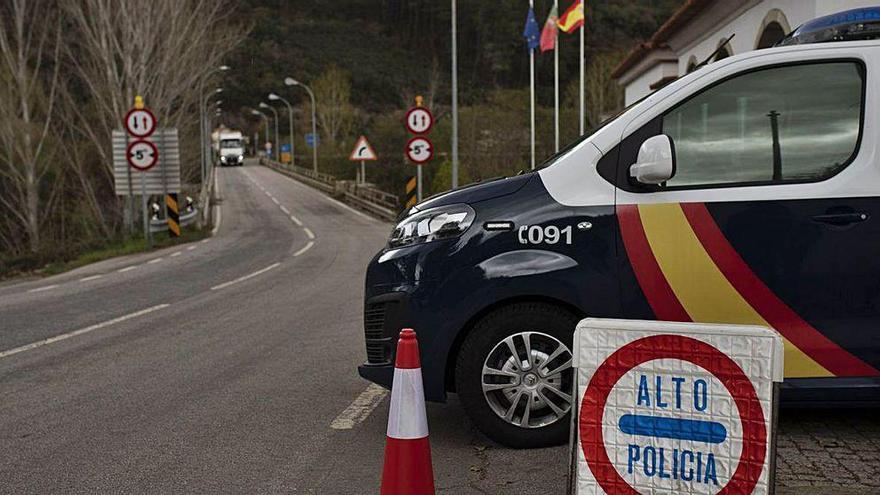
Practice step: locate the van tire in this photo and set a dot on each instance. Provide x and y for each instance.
(481, 340)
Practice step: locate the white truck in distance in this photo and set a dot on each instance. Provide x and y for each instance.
(230, 147)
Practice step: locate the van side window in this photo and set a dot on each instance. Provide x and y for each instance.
(791, 123)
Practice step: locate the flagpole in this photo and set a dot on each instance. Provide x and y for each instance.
(556, 82)
(532, 85)
(454, 100)
(583, 111)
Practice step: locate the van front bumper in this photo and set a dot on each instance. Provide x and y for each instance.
(385, 315)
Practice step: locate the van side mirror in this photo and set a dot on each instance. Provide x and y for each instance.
(656, 161)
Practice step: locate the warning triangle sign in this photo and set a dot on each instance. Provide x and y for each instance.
(363, 151)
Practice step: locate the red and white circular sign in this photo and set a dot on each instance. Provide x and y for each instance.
(419, 150)
(140, 122)
(672, 413)
(419, 120)
(142, 155)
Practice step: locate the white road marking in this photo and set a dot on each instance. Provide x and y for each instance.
(190, 248)
(268, 193)
(242, 279)
(304, 249)
(328, 198)
(360, 409)
(93, 277)
(285, 210)
(275, 200)
(41, 289)
(126, 269)
(296, 221)
(309, 233)
(176, 254)
(216, 220)
(65, 336)
(154, 261)
(205, 241)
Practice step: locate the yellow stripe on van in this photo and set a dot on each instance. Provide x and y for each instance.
(704, 292)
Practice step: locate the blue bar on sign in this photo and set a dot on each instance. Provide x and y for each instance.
(675, 428)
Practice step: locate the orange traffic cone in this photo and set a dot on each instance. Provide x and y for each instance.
(407, 468)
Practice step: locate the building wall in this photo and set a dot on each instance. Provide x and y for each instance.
(745, 23)
(746, 18)
(641, 85)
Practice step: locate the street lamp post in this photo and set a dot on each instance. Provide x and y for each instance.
(203, 117)
(275, 113)
(206, 126)
(289, 81)
(266, 118)
(273, 96)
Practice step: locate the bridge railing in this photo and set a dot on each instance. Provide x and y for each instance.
(364, 197)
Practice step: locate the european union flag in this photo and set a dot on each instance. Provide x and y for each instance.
(532, 33)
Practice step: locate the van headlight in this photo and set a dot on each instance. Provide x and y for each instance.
(443, 222)
(241, 158)
(222, 158)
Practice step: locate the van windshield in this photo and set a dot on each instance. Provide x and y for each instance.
(564, 151)
(230, 143)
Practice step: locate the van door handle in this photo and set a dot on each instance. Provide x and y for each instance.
(841, 218)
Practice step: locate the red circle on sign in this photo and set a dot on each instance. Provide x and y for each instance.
(429, 152)
(409, 124)
(751, 459)
(150, 130)
(142, 168)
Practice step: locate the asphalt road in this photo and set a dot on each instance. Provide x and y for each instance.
(228, 365)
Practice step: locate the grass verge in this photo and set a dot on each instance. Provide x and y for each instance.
(53, 264)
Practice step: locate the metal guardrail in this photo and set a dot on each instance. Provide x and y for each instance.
(379, 203)
(161, 224)
(205, 197)
(318, 180)
(371, 200)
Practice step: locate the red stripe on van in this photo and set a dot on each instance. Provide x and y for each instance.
(661, 298)
(820, 348)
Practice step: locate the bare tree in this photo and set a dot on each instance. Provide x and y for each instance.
(159, 49)
(29, 47)
(335, 112)
(603, 94)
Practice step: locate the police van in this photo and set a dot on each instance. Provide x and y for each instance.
(746, 192)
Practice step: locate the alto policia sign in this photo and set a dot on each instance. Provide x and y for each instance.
(675, 407)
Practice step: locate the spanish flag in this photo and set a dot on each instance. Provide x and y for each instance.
(573, 18)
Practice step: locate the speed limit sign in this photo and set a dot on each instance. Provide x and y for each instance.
(419, 120)
(142, 155)
(140, 122)
(419, 150)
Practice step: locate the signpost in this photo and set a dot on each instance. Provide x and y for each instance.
(164, 175)
(674, 407)
(363, 152)
(419, 120)
(139, 121)
(419, 148)
(285, 154)
(139, 161)
(141, 154)
(312, 140)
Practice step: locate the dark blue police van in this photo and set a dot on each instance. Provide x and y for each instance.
(746, 192)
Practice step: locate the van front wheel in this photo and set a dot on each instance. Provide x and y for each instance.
(514, 375)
